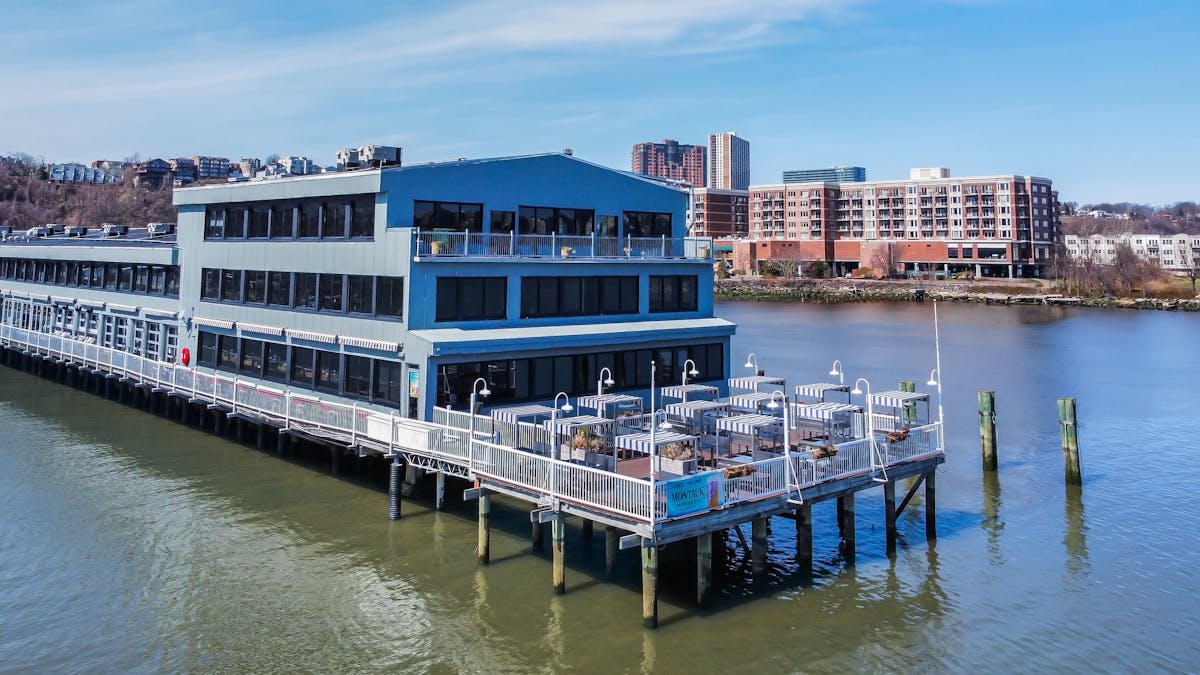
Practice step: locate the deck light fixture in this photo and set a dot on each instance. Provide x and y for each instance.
(933, 380)
(752, 361)
(837, 370)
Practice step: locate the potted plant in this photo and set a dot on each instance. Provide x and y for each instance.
(677, 458)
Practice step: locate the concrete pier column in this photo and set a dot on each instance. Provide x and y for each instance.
(439, 495)
(804, 545)
(649, 584)
(703, 568)
(930, 506)
(262, 437)
(558, 538)
(845, 513)
(485, 528)
(758, 545)
(889, 516)
(611, 544)
(335, 460)
(587, 529)
(281, 442)
(218, 423)
(395, 477)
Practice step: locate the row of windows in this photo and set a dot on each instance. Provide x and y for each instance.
(339, 217)
(541, 378)
(359, 377)
(127, 277)
(578, 296)
(333, 293)
(468, 217)
(483, 298)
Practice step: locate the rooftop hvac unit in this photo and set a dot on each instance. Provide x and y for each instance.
(159, 229)
(42, 231)
(113, 229)
(76, 231)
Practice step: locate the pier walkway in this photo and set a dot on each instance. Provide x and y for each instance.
(721, 463)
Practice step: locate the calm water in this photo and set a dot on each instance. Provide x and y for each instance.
(129, 543)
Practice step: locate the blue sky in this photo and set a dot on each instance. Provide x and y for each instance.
(1099, 96)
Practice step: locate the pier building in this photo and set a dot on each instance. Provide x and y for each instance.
(536, 326)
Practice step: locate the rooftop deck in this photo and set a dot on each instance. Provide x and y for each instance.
(663, 476)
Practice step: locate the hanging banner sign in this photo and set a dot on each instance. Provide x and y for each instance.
(694, 494)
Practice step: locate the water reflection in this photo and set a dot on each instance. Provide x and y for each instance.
(992, 525)
(1075, 537)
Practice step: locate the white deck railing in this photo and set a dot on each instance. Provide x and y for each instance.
(512, 245)
(515, 456)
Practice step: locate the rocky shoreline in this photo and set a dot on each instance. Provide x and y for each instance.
(829, 291)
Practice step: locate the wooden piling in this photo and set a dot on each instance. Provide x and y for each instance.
(758, 545)
(889, 516)
(1070, 441)
(804, 546)
(703, 568)
(930, 506)
(611, 544)
(587, 529)
(536, 536)
(649, 584)
(845, 517)
(281, 446)
(558, 537)
(439, 500)
(485, 528)
(335, 460)
(395, 475)
(987, 428)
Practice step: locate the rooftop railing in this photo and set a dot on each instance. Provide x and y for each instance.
(448, 245)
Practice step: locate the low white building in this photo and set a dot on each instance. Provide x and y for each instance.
(1174, 252)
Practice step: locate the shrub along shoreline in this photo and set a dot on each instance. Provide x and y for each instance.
(1001, 292)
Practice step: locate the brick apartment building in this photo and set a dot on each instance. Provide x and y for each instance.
(993, 226)
(720, 213)
(671, 160)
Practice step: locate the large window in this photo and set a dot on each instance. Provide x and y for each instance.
(556, 220)
(305, 287)
(329, 371)
(358, 376)
(256, 288)
(676, 293)
(389, 296)
(578, 296)
(331, 292)
(284, 220)
(208, 349)
(647, 224)
(303, 360)
(227, 355)
(275, 362)
(252, 357)
(471, 298)
(210, 284)
(231, 285)
(453, 216)
(389, 382)
(359, 294)
(279, 289)
(503, 222)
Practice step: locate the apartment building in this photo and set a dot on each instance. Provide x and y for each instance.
(729, 161)
(719, 213)
(672, 160)
(211, 167)
(996, 226)
(837, 174)
(1174, 252)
